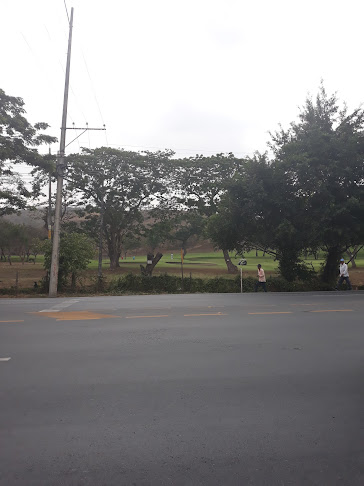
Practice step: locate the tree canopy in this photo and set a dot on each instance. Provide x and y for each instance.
(18, 144)
(308, 195)
(121, 184)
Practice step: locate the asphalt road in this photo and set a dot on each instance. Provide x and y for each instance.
(219, 389)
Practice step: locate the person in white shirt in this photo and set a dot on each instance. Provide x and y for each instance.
(344, 275)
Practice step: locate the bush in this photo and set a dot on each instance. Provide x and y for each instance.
(75, 252)
(173, 284)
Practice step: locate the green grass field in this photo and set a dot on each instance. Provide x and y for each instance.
(198, 265)
(210, 260)
(205, 259)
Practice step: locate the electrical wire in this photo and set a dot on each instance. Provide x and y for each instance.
(40, 66)
(70, 84)
(92, 87)
(64, 1)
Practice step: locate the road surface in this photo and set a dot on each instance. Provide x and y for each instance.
(215, 389)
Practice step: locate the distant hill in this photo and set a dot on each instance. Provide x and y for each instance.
(33, 218)
(27, 217)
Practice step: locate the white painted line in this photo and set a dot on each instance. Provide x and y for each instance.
(4, 359)
(61, 305)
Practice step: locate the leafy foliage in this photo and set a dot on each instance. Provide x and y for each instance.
(76, 252)
(120, 184)
(18, 239)
(18, 144)
(323, 157)
(309, 196)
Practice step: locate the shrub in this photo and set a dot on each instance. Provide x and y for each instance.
(173, 284)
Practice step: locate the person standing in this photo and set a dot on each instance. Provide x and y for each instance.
(344, 275)
(261, 279)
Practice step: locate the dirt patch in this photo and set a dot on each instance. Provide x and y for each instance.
(26, 274)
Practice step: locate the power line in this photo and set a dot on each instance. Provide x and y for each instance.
(40, 66)
(64, 72)
(66, 10)
(92, 87)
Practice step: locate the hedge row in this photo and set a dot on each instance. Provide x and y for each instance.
(173, 284)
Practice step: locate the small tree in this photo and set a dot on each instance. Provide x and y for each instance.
(13, 240)
(187, 224)
(76, 252)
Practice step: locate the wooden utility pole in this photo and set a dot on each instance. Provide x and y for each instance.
(102, 210)
(53, 283)
(49, 215)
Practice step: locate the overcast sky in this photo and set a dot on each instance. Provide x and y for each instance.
(194, 76)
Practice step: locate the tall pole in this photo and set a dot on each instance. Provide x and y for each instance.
(102, 211)
(53, 283)
(49, 216)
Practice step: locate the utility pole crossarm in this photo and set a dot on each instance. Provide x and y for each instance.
(85, 128)
(84, 131)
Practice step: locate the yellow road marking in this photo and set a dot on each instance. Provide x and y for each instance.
(255, 313)
(195, 315)
(75, 315)
(13, 321)
(333, 310)
(140, 317)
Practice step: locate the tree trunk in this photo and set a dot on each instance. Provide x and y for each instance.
(231, 268)
(114, 259)
(73, 281)
(114, 256)
(151, 263)
(350, 254)
(330, 271)
(113, 248)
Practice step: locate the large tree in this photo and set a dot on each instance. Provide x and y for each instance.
(323, 156)
(119, 185)
(200, 183)
(261, 210)
(18, 144)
